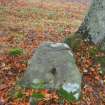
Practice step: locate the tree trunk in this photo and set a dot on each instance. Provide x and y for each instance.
(93, 26)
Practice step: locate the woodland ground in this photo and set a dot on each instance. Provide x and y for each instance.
(25, 25)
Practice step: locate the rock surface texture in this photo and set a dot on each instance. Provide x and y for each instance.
(53, 64)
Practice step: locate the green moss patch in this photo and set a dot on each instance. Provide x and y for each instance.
(73, 41)
(15, 52)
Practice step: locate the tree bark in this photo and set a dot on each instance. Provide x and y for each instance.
(93, 26)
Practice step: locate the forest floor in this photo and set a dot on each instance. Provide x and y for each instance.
(25, 25)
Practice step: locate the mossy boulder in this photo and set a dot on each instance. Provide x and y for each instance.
(53, 66)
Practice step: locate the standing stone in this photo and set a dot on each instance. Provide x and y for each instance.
(54, 64)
